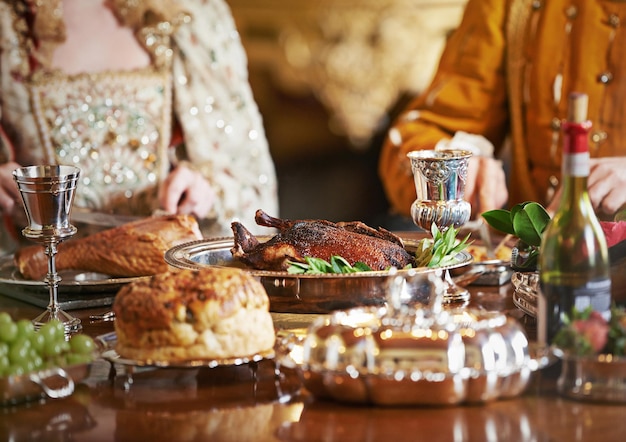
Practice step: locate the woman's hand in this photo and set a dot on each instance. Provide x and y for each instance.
(9, 193)
(186, 191)
(485, 188)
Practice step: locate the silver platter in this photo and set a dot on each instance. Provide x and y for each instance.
(301, 293)
(77, 289)
(108, 343)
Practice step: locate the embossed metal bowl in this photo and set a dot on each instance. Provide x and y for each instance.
(526, 287)
(368, 355)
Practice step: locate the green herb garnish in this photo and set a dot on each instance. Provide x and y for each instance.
(441, 250)
(316, 266)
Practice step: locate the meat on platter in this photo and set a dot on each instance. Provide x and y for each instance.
(298, 239)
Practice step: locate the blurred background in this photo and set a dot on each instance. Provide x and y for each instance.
(329, 76)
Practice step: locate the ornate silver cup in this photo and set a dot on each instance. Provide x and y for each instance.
(48, 193)
(440, 185)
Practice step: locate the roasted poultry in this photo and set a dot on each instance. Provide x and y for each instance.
(133, 249)
(295, 240)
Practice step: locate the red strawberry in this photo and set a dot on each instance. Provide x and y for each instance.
(595, 330)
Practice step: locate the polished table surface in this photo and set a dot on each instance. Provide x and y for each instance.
(253, 403)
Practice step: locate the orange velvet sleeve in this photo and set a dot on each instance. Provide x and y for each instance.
(467, 93)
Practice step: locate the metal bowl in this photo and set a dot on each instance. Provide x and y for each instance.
(368, 355)
(600, 378)
(303, 293)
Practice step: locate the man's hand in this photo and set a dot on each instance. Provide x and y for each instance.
(485, 188)
(186, 191)
(606, 185)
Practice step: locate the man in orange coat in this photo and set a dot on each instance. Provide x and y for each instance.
(505, 75)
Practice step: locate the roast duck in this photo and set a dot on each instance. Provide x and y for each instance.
(133, 249)
(296, 240)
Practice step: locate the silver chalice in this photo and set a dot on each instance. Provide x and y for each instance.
(48, 192)
(440, 184)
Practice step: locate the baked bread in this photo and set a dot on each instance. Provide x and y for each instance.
(211, 313)
(130, 250)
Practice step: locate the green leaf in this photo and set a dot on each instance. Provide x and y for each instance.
(362, 267)
(526, 221)
(316, 266)
(297, 268)
(529, 223)
(538, 216)
(500, 220)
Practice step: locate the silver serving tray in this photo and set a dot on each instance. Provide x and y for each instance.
(108, 342)
(77, 289)
(301, 293)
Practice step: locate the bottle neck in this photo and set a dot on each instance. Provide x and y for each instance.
(575, 167)
(575, 149)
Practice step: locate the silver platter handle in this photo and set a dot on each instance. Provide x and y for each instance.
(64, 390)
(282, 286)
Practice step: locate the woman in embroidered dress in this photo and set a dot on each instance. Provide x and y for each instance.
(149, 98)
(507, 72)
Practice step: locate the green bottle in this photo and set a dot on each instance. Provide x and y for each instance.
(574, 267)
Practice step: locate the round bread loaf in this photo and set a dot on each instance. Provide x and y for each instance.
(212, 313)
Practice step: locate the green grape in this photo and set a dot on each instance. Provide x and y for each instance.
(19, 351)
(5, 317)
(4, 349)
(25, 328)
(4, 363)
(37, 361)
(24, 349)
(48, 331)
(77, 358)
(60, 360)
(82, 344)
(37, 341)
(8, 331)
(28, 365)
(52, 349)
(14, 370)
(59, 329)
(65, 346)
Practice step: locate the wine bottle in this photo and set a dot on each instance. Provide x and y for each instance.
(574, 269)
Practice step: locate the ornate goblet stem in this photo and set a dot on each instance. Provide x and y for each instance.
(48, 193)
(440, 184)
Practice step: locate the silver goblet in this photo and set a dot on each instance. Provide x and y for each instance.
(440, 184)
(48, 193)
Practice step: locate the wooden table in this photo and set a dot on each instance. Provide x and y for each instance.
(252, 404)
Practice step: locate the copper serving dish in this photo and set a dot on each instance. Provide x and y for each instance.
(415, 355)
(303, 293)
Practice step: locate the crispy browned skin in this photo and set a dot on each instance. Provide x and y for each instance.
(355, 241)
(133, 249)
